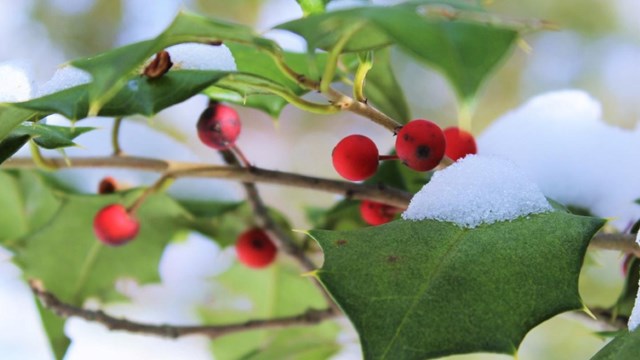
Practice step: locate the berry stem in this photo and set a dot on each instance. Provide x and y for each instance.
(240, 155)
(160, 185)
(387, 157)
(38, 159)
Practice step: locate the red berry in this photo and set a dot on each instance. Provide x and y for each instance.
(460, 143)
(375, 213)
(420, 144)
(218, 126)
(108, 185)
(255, 249)
(113, 225)
(355, 157)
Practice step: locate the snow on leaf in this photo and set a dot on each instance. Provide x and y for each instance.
(477, 190)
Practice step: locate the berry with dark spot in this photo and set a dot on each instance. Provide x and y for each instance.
(255, 249)
(375, 213)
(219, 126)
(420, 144)
(355, 157)
(460, 143)
(113, 225)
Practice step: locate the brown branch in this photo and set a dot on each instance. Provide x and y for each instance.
(621, 242)
(379, 193)
(62, 309)
(266, 221)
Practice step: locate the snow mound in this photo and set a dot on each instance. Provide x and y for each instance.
(64, 78)
(560, 140)
(195, 56)
(477, 190)
(17, 84)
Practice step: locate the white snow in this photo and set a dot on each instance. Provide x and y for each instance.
(17, 82)
(634, 319)
(195, 56)
(477, 190)
(560, 140)
(64, 78)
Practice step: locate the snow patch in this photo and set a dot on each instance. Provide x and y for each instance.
(17, 84)
(64, 78)
(195, 56)
(477, 190)
(560, 140)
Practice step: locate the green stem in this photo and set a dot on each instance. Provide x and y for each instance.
(332, 61)
(360, 76)
(465, 114)
(40, 161)
(115, 136)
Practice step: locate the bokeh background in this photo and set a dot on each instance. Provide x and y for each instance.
(597, 48)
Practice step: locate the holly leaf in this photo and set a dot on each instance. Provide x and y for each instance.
(416, 290)
(51, 136)
(276, 291)
(10, 117)
(11, 144)
(465, 47)
(54, 328)
(624, 347)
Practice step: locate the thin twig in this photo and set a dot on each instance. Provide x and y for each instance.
(115, 136)
(62, 309)
(379, 193)
(621, 242)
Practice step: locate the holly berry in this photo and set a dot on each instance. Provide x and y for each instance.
(218, 126)
(460, 143)
(355, 157)
(420, 144)
(113, 225)
(108, 185)
(375, 213)
(255, 249)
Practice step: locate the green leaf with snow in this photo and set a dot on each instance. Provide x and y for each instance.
(425, 289)
(624, 347)
(465, 48)
(276, 291)
(111, 70)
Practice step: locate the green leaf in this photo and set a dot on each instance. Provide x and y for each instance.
(623, 347)
(51, 136)
(10, 117)
(11, 144)
(627, 298)
(382, 88)
(464, 50)
(248, 61)
(54, 328)
(141, 95)
(426, 289)
(111, 70)
(28, 204)
(276, 291)
(310, 7)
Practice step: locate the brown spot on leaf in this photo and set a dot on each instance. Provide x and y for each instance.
(341, 242)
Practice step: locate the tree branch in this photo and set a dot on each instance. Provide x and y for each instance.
(266, 221)
(379, 193)
(621, 242)
(62, 309)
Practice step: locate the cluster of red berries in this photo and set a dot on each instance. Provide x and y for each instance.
(420, 144)
(218, 127)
